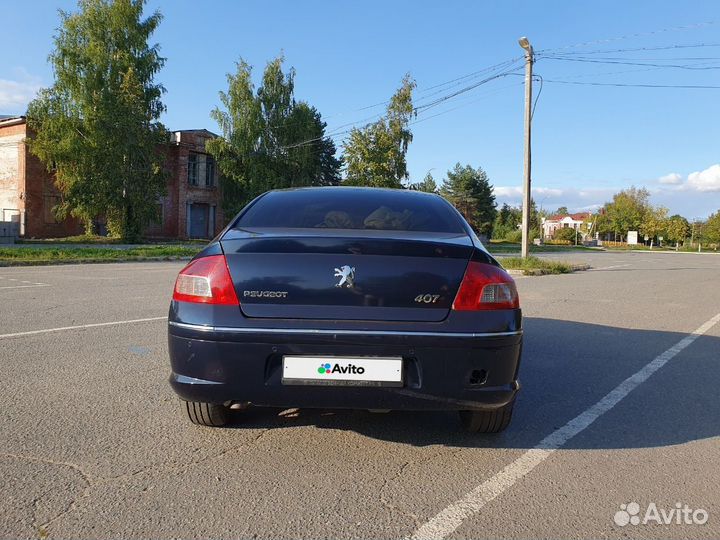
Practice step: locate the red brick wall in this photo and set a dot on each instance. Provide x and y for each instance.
(40, 194)
(33, 185)
(169, 202)
(36, 188)
(12, 163)
(181, 192)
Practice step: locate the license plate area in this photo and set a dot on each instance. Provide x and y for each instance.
(342, 370)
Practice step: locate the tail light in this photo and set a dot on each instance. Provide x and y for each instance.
(206, 281)
(486, 287)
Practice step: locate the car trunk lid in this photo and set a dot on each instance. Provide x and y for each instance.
(346, 275)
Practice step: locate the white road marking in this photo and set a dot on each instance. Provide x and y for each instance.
(93, 325)
(449, 519)
(611, 267)
(25, 286)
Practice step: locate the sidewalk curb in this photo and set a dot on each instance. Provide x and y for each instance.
(540, 272)
(45, 262)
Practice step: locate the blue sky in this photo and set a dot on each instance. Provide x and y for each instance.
(589, 141)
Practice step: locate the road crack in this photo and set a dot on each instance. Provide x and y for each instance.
(173, 467)
(87, 480)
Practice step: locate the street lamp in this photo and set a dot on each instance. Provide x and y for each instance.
(529, 58)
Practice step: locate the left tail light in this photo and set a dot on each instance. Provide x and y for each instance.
(206, 281)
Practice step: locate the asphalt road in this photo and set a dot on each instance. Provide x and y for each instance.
(619, 405)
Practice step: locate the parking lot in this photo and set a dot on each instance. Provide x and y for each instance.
(619, 404)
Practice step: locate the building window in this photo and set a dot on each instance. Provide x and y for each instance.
(209, 171)
(11, 214)
(193, 169)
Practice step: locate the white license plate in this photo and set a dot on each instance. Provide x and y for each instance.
(345, 370)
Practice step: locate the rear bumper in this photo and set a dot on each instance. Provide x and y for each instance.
(441, 370)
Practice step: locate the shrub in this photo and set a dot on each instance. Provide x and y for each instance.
(514, 236)
(567, 234)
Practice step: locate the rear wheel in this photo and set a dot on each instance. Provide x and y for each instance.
(207, 414)
(487, 421)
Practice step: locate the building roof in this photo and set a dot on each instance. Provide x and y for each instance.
(197, 131)
(9, 119)
(580, 216)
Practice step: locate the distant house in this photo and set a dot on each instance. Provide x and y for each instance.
(571, 221)
(191, 207)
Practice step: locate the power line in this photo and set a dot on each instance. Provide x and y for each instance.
(630, 36)
(635, 49)
(595, 61)
(471, 102)
(463, 90)
(622, 72)
(532, 111)
(691, 86)
(422, 106)
(417, 109)
(627, 59)
(423, 92)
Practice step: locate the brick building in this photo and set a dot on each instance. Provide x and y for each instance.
(27, 190)
(191, 207)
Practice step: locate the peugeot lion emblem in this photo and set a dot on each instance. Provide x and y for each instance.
(346, 275)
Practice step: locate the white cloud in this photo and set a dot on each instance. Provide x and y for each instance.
(549, 198)
(707, 180)
(590, 208)
(507, 192)
(672, 178)
(16, 94)
(548, 192)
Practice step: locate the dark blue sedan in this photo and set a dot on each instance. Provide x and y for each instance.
(344, 297)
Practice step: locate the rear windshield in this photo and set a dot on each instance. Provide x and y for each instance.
(347, 208)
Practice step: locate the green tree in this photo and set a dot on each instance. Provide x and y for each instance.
(562, 211)
(375, 154)
(653, 222)
(269, 141)
(98, 126)
(625, 213)
(507, 221)
(470, 191)
(428, 184)
(711, 229)
(677, 228)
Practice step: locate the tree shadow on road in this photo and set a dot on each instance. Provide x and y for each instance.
(567, 367)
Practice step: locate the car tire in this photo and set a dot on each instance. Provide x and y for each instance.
(487, 421)
(207, 414)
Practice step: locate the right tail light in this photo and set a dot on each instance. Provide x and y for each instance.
(485, 287)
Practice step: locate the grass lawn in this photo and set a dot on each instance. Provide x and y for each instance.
(95, 239)
(685, 249)
(535, 265)
(50, 255)
(509, 247)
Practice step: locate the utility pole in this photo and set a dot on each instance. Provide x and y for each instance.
(529, 58)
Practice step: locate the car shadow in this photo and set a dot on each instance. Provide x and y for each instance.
(567, 367)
